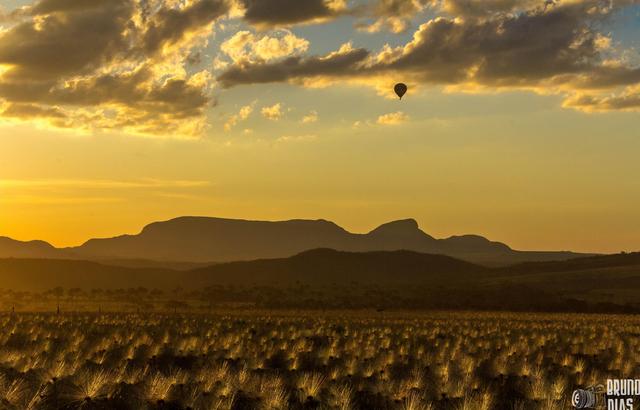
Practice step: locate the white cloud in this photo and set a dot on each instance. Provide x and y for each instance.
(296, 138)
(393, 118)
(273, 113)
(245, 46)
(310, 118)
(242, 115)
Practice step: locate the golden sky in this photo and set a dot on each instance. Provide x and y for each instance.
(521, 121)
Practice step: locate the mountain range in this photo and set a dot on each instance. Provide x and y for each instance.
(188, 242)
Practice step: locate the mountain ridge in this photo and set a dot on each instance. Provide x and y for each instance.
(197, 239)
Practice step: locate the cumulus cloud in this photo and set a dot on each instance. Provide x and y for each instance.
(396, 16)
(509, 44)
(110, 64)
(273, 113)
(132, 64)
(242, 115)
(392, 15)
(310, 118)
(279, 13)
(627, 100)
(49, 46)
(484, 8)
(394, 118)
(169, 25)
(343, 62)
(245, 46)
(28, 111)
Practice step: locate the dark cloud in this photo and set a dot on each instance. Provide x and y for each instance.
(169, 25)
(32, 111)
(398, 7)
(512, 50)
(391, 15)
(270, 13)
(53, 6)
(335, 65)
(605, 77)
(545, 45)
(63, 44)
(135, 90)
(484, 8)
(125, 63)
(69, 56)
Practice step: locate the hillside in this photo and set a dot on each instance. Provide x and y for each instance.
(327, 266)
(330, 278)
(44, 274)
(10, 248)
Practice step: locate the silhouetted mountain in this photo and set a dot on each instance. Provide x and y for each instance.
(197, 239)
(200, 239)
(208, 240)
(10, 248)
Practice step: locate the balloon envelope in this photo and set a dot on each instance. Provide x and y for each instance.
(400, 89)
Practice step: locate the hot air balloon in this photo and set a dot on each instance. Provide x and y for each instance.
(400, 89)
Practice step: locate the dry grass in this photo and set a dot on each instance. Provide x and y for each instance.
(338, 360)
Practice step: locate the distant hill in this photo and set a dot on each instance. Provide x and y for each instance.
(206, 240)
(327, 266)
(320, 266)
(45, 274)
(397, 278)
(576, 264)
(10, 248)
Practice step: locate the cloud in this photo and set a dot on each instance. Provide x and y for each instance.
(273, 113)
(548, 47)
(296, 138)
(242, 115)
(627, 100)
(392, 15)
(108, 64)
(101, 183)
(56, 200)
(343, 62)
(484, 8)
(396, 16)
(47, 47)
(21, 111)
(169, 25)
(310, 118)
(500, 51)
(281, 13)
(394, 118)
(131, 65)
(245, 46)
(80, 191)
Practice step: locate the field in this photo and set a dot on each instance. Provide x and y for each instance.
(309, 360)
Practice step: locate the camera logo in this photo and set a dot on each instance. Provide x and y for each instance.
(583, 399)
(589, 398)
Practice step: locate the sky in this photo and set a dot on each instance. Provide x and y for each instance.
(520, 124)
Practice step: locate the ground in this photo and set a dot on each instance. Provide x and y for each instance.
(307, 359)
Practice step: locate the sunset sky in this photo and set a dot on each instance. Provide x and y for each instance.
(521, 123)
